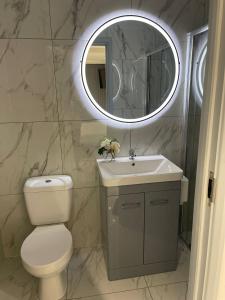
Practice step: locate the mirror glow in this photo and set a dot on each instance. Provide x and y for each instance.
(172, 81)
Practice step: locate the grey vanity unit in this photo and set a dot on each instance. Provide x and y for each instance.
(140, 228)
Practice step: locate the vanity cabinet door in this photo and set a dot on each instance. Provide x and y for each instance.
(125, 230)
(161, 226)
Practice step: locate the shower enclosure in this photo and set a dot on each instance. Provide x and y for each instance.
(197, 47)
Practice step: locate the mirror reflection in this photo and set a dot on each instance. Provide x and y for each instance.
(130, 69)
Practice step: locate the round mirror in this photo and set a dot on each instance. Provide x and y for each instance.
(130, 68)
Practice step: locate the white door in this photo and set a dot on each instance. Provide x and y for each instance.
(208, 155)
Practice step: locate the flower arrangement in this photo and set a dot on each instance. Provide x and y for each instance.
(109, 146)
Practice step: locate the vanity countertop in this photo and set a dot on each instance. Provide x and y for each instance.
(143, 169)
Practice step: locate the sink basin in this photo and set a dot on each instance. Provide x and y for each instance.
(143, 169)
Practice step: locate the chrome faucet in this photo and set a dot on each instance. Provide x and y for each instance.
(132, 154)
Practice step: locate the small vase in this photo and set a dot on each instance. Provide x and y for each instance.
(105, 154)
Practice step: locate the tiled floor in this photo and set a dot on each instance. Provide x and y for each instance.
(87, 279)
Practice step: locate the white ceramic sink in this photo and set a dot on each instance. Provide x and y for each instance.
(143, 169)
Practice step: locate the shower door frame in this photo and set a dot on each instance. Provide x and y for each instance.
(187, 93)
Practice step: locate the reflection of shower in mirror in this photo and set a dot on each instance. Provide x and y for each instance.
(200, 71)
(115, 67)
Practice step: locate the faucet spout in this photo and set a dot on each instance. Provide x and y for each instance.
(132, 154)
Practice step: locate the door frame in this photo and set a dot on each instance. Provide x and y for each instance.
(207, 273)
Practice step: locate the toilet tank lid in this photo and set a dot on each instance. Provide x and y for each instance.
(48, 183)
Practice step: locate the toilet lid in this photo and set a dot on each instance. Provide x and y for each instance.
(46, 245)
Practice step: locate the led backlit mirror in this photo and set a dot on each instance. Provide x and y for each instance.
(130, 68)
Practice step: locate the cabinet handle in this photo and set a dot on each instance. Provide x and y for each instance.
(130, 205)
(159, 202)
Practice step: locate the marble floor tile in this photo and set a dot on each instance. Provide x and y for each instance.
(87, 279)
(87, 276)
(176, 291)
(15, 282)
(139, 294)
(183, 253)
(180, 275)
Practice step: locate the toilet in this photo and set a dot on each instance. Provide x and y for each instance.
(46, 252)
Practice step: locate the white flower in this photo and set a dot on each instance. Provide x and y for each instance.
(115, 147)
(106, 143)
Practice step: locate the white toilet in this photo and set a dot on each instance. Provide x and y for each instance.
(47, 250)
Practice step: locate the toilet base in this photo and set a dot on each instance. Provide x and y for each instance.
(53, 288)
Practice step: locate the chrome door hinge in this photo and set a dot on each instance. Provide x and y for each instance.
(211, 185)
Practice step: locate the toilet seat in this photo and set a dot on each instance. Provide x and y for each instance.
(47, 250)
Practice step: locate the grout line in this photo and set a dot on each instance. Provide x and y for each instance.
(186, 291)
(82, 120)
(50, 121)
(43, 39)
(150, 293)
(26, 38)
(56, 91)
(74, 188)
(67, 280)
(110, 293)
(170, 283)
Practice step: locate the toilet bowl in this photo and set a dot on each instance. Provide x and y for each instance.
(45, 254)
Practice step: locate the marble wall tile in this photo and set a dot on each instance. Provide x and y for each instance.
(24, 19)
(14, 224)
(69, 104)
(87, 276)
(32, 73)
(27, 149)
(84, 222)
(123, 137)
(70, 18)
(84, 172)
(27, 91)
(181, 15)
(161, 137)
(80, 141)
